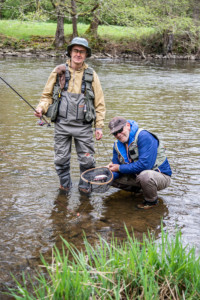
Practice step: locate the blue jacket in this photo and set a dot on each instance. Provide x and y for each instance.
(147, 147)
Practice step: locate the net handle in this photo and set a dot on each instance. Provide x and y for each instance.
(95, 182)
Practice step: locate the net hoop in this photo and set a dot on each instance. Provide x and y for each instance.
(95, 182)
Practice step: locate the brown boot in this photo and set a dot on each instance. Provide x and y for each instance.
(62, 188)
(84, 191)
(147, 204)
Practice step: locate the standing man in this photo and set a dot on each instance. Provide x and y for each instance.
(81, 104)
(139, 154)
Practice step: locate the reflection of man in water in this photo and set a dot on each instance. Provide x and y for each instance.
(74, 216)
(139, 154)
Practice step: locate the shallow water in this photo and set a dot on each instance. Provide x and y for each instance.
(161, 96)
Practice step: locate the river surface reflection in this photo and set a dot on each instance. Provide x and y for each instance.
(161, 96)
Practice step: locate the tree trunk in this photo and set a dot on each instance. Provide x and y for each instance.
(74, 19)
(95, 23)
(37, 3)
(1, 8)
(168, 38)
(59, 37)
(196, 10)
(93, 28)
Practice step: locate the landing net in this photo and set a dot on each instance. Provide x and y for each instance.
(99, 179)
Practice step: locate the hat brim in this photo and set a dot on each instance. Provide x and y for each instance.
(69, 48)
(117, 128)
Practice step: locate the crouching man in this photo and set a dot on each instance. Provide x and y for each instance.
(139, 158)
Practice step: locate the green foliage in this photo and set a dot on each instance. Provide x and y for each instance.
(114, 12)
(150, 269)
(38, 16)
(13, 9)
(125, 13)
(143, 12)
(168, 8)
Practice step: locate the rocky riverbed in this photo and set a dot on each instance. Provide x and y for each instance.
(30, 52)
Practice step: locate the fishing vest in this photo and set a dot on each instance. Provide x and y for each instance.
(87, 90)
(134, 153)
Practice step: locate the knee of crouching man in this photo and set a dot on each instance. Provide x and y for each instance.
(144, 177)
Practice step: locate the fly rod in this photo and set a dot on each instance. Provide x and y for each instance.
(48, 124)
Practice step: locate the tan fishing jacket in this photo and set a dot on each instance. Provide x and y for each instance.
(74, 87)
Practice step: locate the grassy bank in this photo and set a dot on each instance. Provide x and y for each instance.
(128, 270)
(115, 40)
(25, 30)
(40, 35)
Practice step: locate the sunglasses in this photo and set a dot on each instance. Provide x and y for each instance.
(118, 131)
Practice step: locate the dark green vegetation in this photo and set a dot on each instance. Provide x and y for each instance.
(151, 269)
(129, 26)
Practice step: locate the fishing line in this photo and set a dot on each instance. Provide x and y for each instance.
(40, 123)
(78, 214)
(107, 152)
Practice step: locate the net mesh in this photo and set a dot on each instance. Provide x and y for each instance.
(99, 179)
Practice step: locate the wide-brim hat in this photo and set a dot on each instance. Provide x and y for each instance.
(116, 124)
(80, 42)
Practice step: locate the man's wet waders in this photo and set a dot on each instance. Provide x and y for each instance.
(70, 123)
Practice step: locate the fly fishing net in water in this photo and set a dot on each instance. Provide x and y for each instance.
(99, 179)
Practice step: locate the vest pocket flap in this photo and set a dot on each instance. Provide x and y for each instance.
(63, 108)
(90, 93)
(53, 111)
(56, 92)
(81, 107)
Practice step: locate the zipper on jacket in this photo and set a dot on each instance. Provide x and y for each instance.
(74, 76)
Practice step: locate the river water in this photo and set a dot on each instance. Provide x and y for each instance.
(161, 96)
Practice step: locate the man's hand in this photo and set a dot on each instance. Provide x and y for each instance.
(113, 167)
(98, 133)
(38, 112)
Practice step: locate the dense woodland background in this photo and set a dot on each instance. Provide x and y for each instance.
(174, 24)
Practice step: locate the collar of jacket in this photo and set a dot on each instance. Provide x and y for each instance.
(61, 69)
(134, 129)
(84, 66)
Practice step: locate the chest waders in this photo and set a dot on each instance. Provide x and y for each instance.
(71, 123)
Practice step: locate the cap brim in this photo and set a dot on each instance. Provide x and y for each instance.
(117, 128)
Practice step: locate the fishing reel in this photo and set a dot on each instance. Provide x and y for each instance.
(43, 122)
